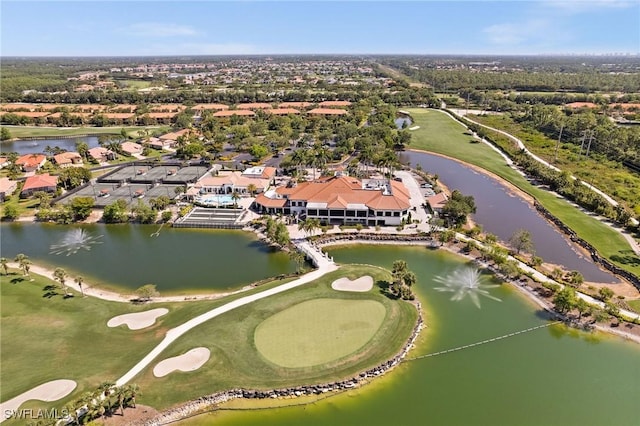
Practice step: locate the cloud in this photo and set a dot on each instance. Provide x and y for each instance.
(512, 33)
(156, 29)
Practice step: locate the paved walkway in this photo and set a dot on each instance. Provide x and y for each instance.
(325, 266)
(416, 200)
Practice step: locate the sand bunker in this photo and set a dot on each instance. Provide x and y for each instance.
(138, 320)
(188, 361)
(361, 284)
(50, 391)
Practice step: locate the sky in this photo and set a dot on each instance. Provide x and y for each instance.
(171, 27)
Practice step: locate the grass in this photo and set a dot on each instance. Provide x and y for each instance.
(136, 84)
(45, 338)
(441, 134)
(611, 177)
(46, 132)
(296, 338)
(235, 361)
(634, 304)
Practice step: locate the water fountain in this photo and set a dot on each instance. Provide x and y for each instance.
(73, 241)
(466, 282)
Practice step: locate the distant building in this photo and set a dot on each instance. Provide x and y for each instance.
(437, 202)
(131, 148)
(101, 154)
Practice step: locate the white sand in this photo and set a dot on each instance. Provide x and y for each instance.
(188, 361)
(50, 391)
(138, 320)
(361, 284)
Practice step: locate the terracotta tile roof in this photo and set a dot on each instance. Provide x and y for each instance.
(270, 202)
(229, 113)
(162, 114)
(40, 181)
(167, 107)
(119, 115)
(232, 178)
(128, 107)
(345, 192)
(210, 106)
(31, 160)
(29, 114)
(334, 104)
(98, 152)
(328, 111)
(437, 201)
(71, 114)
(174, 135)
(282, 111)
(294, 104)
(254, 105)
(627, 106)
(67, 158)
(131, 147)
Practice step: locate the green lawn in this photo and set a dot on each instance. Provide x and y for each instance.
(318, 331)
(634, 304)
(235, 361)
(46, 338)
(441, 134)
(51, 132)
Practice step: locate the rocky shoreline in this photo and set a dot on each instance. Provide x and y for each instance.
(211, 402)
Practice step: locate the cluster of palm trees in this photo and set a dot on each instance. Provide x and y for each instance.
(309, 226)
(61, 276)
(23, 261)
(106, 399)
(403, 280)
(316, 157)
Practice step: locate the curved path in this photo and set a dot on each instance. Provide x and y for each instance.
(460, 114)
(324, 266)
(523, 147)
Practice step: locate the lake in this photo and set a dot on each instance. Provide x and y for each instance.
(550, 376)
(127, 256)
(501, 212)
(37, 146)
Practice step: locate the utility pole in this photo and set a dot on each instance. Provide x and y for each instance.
(584, 138)
(555, 156)
(589, 145)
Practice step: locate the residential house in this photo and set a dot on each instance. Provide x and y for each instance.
(68, 159)
(35, 183)
(131, 148)
(7, 187)
(437, 202)
(31, 162)
(101, 154)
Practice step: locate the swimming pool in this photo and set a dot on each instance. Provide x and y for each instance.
(215, 200)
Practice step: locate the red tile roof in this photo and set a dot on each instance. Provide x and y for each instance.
(31, 160)
(39, 182)
(328, 111)
(229, 113)
(254, 105)
(294, 104)
(210, 106)
(334, 103)
(282, 111)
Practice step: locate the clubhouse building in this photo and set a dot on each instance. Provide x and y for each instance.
(340, 200)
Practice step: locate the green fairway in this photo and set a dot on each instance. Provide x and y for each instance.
(45, 338)
(237, 362)
(318, 331)
(441, 134)
(52, 132)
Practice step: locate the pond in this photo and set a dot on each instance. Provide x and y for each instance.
(501, 212)
(38, 146)
(125, 257)
(551, 375)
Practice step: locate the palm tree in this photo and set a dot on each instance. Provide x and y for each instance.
(235, 196)
(79, 280)
(298, 258)
(61, 275)
(252, 189)
(23, 263)
(132, 390)
(3, 264)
